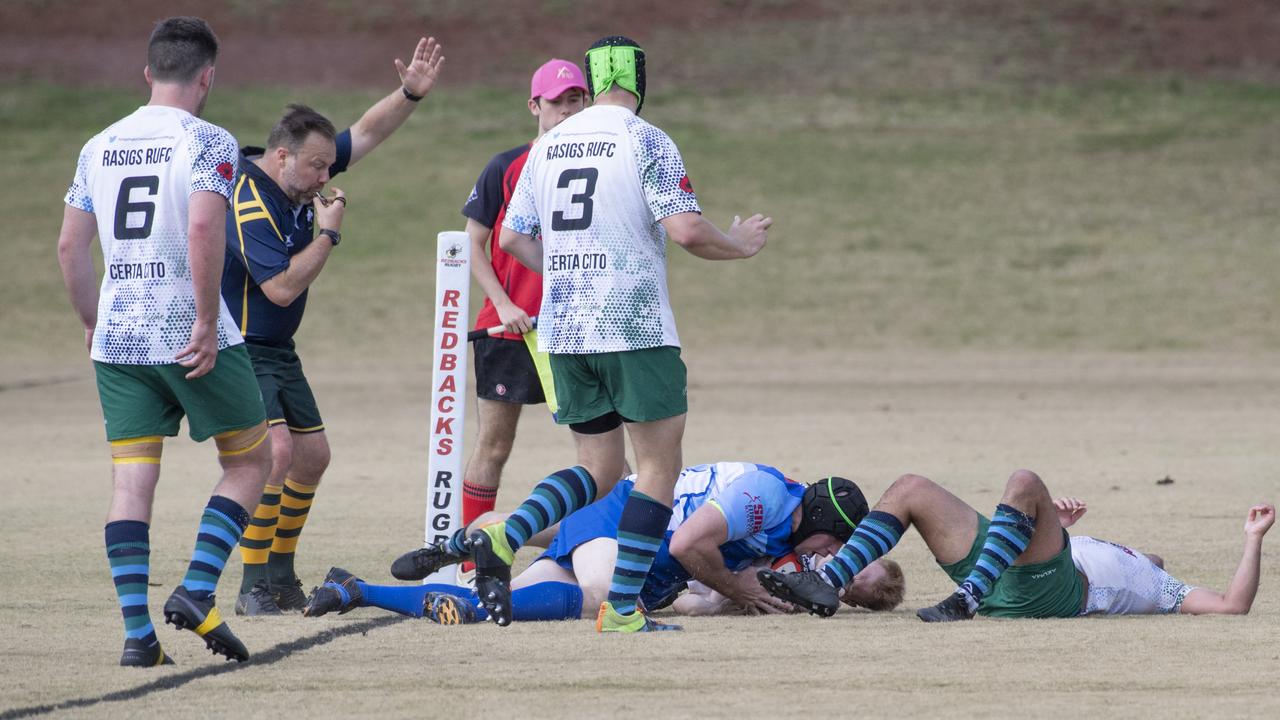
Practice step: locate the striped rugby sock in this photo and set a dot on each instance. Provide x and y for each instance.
(1007, 538)
(559, 494)
(255, 545)
(295, 506)
(641, 529)
(221, 525)
(874, 537)
(129, 554)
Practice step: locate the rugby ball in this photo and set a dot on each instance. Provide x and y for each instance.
(787, 564)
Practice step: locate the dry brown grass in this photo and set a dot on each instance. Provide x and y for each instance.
(1104, 427)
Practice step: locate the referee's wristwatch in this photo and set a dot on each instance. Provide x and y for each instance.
(335, 237)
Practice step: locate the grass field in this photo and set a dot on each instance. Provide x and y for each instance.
(976, 266)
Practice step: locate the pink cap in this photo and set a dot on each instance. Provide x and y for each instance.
(554, 77)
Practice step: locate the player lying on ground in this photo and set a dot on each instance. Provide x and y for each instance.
(879, 587)
(1021, 562)
(726, 516)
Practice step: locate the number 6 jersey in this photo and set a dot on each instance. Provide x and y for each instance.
(136, 177)
(596, 187)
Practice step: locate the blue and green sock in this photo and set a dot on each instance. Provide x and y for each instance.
(221, 526)
(129, 554)
(1007, 538)
(641, 529)
(559, 494)
(874, 537)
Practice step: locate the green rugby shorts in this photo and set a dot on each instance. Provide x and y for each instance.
(640, 385)
(143, 400)
(1043, 590)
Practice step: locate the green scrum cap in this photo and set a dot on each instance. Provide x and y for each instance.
(616, 60)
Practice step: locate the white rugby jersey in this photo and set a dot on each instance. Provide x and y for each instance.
(136, 177)
(1123, 581)
(595, 187)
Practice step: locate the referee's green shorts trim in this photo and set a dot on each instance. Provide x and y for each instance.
(1051, 589)
(144, 400)
(640, 385)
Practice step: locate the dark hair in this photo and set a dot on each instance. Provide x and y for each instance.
(180, 47)
(298, 123)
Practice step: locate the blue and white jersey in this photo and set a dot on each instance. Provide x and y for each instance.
(597, 188)
(756, 500)
(137, 177)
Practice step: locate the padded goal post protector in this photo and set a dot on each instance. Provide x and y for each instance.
(448, 393)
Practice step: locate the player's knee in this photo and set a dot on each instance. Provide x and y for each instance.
(911, 484)
(245, 447)
(137, 451)
(494, 449)
(310, 461)
(1025, 484)
(593, 593)
(487, 518)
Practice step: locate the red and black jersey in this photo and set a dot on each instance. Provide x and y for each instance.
(487, 206)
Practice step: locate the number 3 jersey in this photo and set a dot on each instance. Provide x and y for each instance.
(596, 188)
(136, 177)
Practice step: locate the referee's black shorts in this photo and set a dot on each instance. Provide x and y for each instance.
(505, 372)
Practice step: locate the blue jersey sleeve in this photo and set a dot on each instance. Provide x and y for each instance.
(755, 502)
(343, 158)
(253, 236)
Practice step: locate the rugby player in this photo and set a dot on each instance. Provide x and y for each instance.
(1021, 562)
(726, 517)
(154, 187)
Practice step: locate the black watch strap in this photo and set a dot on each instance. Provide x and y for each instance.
(335, 237)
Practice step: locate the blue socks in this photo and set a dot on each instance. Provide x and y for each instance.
(1007, 538)
(556, 496)
(129, 553)
(221, 526)
(543, 601)
(640, 533)
(875, 535)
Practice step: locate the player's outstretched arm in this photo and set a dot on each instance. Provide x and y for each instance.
(1238, 599)
(76, 260)
(693, 232)
(416, 79)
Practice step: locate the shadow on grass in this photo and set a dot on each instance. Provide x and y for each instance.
(170, 682)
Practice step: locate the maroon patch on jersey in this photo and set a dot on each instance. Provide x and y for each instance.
(685, 185)
(226, 170)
